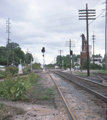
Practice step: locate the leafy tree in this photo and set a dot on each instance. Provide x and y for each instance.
(12, 45)
(96, 66)
(28, 57)
(66, 60)
(3, 55)
(15, 54)
(18, 54)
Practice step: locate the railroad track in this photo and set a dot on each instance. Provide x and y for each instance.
(102, 77)
(98, 89)
(62, 96)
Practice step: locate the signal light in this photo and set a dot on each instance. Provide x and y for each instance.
(71, 52)
(43, 49)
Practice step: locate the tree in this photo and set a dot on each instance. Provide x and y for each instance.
(18, 54)
(12, 45)
(96, 66)
(3, 55)
(15, 54)
(28, 57)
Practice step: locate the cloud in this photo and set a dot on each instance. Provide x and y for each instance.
(46, 23)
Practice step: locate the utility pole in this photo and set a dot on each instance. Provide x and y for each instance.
(87, 14)
(27, 56)
(70, 44)
(106, 38)
(70, 55)
(60, 60)
(93, 38)
(8, 39)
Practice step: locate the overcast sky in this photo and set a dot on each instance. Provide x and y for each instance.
(50, 24)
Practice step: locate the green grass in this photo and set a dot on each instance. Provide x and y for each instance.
(47, 95)
(40, 93)
(1, 75)
(102, 71)
(84, 74)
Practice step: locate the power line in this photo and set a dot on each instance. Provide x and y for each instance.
(97, 17)
(89, 24)
(96, 3)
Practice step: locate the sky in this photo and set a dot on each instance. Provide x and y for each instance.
(51, 24)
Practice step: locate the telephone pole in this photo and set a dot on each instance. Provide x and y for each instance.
(8, 39)
(60, 60)
(93, 38)
(70, 44)
(106, 38)
(87, 14)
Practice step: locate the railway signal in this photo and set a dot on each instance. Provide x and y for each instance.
(43, 50)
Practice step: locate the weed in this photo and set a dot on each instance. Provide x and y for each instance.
(18, 88)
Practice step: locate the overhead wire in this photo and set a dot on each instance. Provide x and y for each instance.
(89, 24)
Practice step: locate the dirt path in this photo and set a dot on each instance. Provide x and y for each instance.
(42, 109)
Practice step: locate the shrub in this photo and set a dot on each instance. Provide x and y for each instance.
(28, 69)
(18, 88)
(36, 66)
(12, 70)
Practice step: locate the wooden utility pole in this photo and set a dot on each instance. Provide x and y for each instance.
(60, 60)
(93, 38)
(87, 14)
(106, 38)
(70, 54)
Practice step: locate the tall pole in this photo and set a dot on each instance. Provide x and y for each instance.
(27, 56)
(88, 72)
(87, 14)
(93, 38)
(60, 60)
(106, 38)
(31, 63)
(70, 54)
(8, 39)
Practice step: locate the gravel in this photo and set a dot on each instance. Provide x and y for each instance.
(83, 105)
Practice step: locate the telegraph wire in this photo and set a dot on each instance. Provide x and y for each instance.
(96, 3)
(89, 24)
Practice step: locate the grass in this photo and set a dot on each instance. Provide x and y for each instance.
(102, 71)
(41, 93)
(1, 75)
(47, 94)
(84, 74)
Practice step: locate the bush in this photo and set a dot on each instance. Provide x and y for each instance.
(36, 66)
(28, 69)
(2, 73)
(12, 70)
(18, 88)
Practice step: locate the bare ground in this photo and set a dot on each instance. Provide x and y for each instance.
(39, 109)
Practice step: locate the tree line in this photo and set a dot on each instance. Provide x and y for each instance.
(15, 53)
(65, 61)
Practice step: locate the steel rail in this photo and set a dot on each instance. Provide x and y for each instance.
(62, 96)
(99, 95)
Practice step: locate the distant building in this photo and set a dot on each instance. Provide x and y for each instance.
(78, 61)
(97, 60)
(83, 53)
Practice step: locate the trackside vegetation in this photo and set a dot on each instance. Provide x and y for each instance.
(17, 88)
